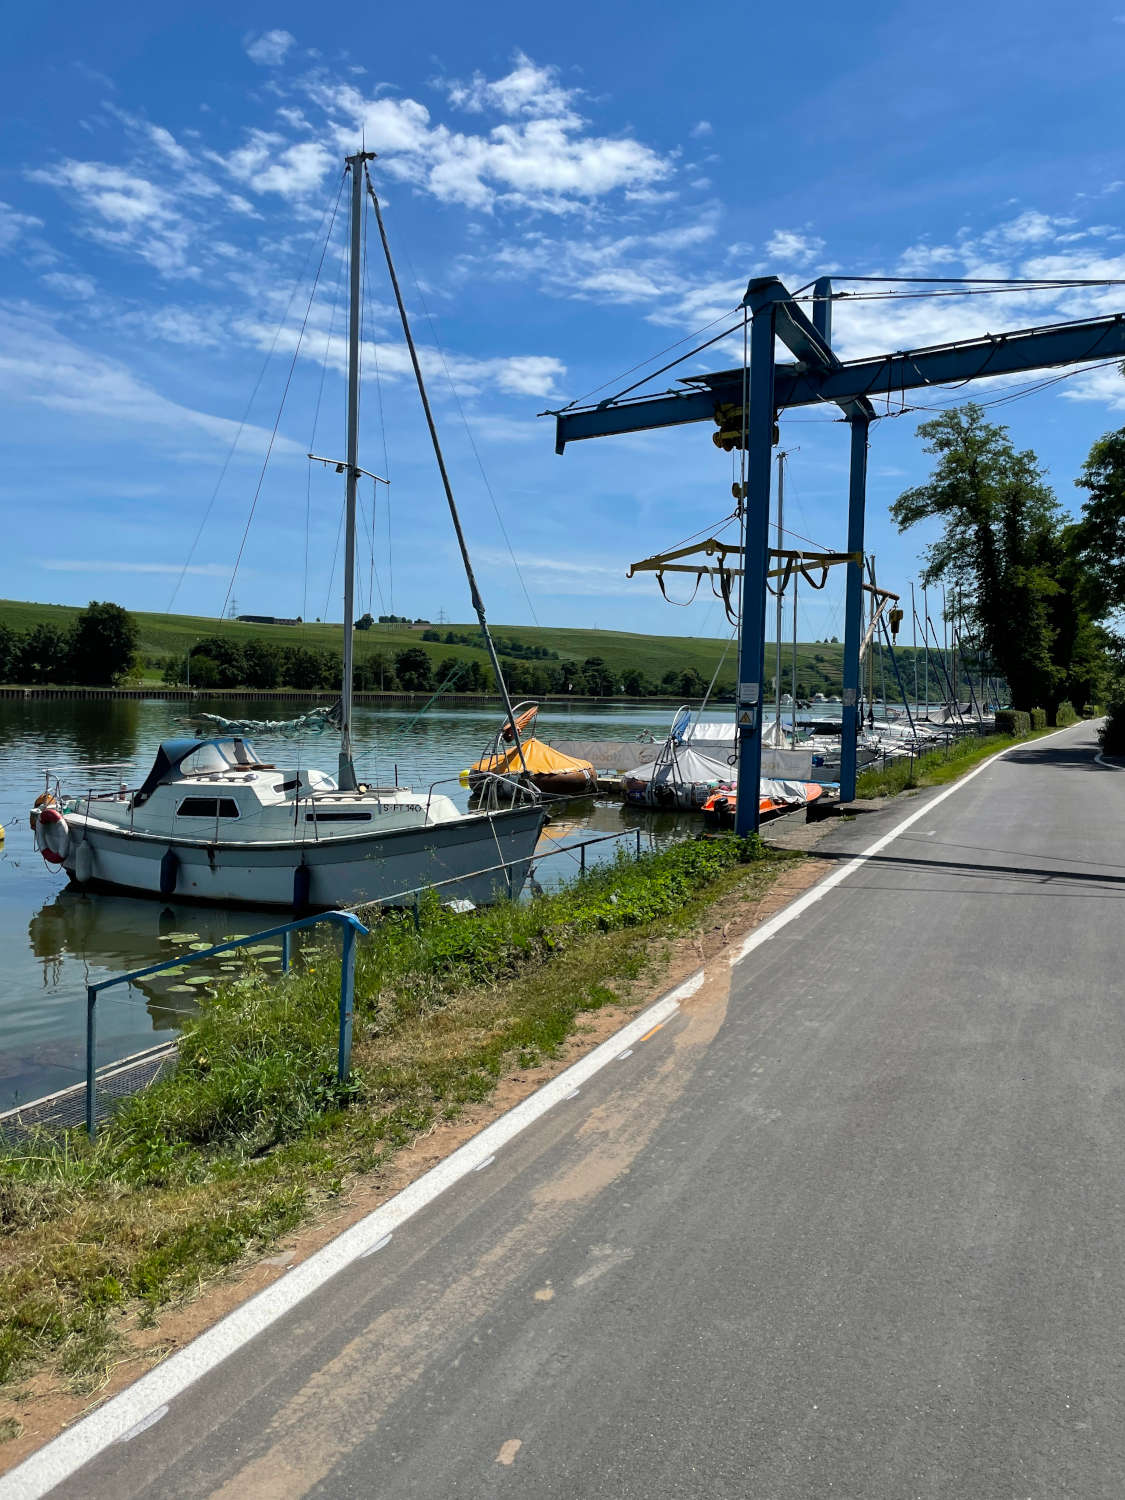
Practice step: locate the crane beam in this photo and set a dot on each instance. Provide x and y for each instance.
(805, 384)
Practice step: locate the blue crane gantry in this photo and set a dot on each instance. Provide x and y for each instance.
(819, 376)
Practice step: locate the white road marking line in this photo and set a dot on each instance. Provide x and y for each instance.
(574, 1093)
(480, 1166)
(123, 1413)
(144, 1425)
(621, 1056)
(1101, 760)
(798, 908)
(380, 1245)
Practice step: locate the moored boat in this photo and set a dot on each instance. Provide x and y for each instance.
(213, 821)
(512, 762)
(775, 797)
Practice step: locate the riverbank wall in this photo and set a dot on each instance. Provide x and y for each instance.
(298, 695)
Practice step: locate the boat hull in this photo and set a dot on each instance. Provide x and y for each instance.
(479, 858)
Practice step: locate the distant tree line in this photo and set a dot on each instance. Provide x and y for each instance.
(98, 650)
(218, 662)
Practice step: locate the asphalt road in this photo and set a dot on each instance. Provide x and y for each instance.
(851, 1224)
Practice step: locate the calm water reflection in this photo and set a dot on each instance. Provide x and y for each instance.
(53, 941)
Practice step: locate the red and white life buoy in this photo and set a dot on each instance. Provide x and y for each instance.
(52, 835)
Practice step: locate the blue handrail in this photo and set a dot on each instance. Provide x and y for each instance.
(347, 921)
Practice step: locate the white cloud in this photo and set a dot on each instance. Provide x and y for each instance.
(81, 565)
(794, 247)
(82, 288)
(268, 50)
(540, 157)
(561, 575)
(14, 225)
(527, 90)
(41, 366)
(265, 164)
(700, 129)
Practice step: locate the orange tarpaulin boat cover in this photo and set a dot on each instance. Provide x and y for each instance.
(538, 757)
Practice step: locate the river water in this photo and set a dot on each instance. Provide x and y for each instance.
(54, 941)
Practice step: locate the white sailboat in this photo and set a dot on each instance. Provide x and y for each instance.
(213, 821)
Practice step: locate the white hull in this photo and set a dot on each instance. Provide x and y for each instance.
(460, 858)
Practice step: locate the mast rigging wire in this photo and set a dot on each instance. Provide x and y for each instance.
(246, 413)
(281, 405)
(469, 435)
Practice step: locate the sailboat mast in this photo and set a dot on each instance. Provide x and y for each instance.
(478, 602)
(780, 577)
(346, 776)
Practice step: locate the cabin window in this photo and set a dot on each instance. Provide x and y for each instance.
(208, 807)
(338, 817)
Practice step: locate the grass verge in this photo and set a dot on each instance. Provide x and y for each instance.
(252, 1135)
(936, 766)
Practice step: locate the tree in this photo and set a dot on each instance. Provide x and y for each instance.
(261, 665)
(9, 653)
(103, 642)
(414, 671)
(365, 622)
(998, 549)
(600, 681)
(1100, 538)
(43, 655)
(227, 658)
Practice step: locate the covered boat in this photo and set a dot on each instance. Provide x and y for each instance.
(775, 797)
(680, 778)
(508, 763)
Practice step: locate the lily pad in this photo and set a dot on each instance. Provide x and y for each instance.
(234, 937)
(199, 947)
(171, 973)
(199, 979)
(180, 937)
(180, 989)
(263, 948)
(227, 968)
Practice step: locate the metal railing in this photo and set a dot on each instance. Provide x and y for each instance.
(351, 928)
(347, 921)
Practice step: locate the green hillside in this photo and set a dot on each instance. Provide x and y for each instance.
(167, 637)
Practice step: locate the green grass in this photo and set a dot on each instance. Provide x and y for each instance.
(251, 1134)
(937, 766)
(166, 636)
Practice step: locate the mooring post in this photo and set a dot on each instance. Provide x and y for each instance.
(285, 951)
(91, 1071)
(581, 860)
(853, 605)
(347, 1004)
(638, 843)
(759, 426)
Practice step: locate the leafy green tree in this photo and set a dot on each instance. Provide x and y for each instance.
(600, 681)
(43, 655)
(1100, 538)
(261, 665)
(998, 549)
(414, 670)
(365, 622)
(9, 653)
(227, 658)
(103, 642)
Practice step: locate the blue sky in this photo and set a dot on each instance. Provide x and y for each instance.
(568, 192)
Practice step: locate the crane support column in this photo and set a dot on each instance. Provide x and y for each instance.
(853, 606)
(752, 638)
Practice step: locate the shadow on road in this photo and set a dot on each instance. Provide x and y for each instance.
(975, 870)
(1078, 757)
